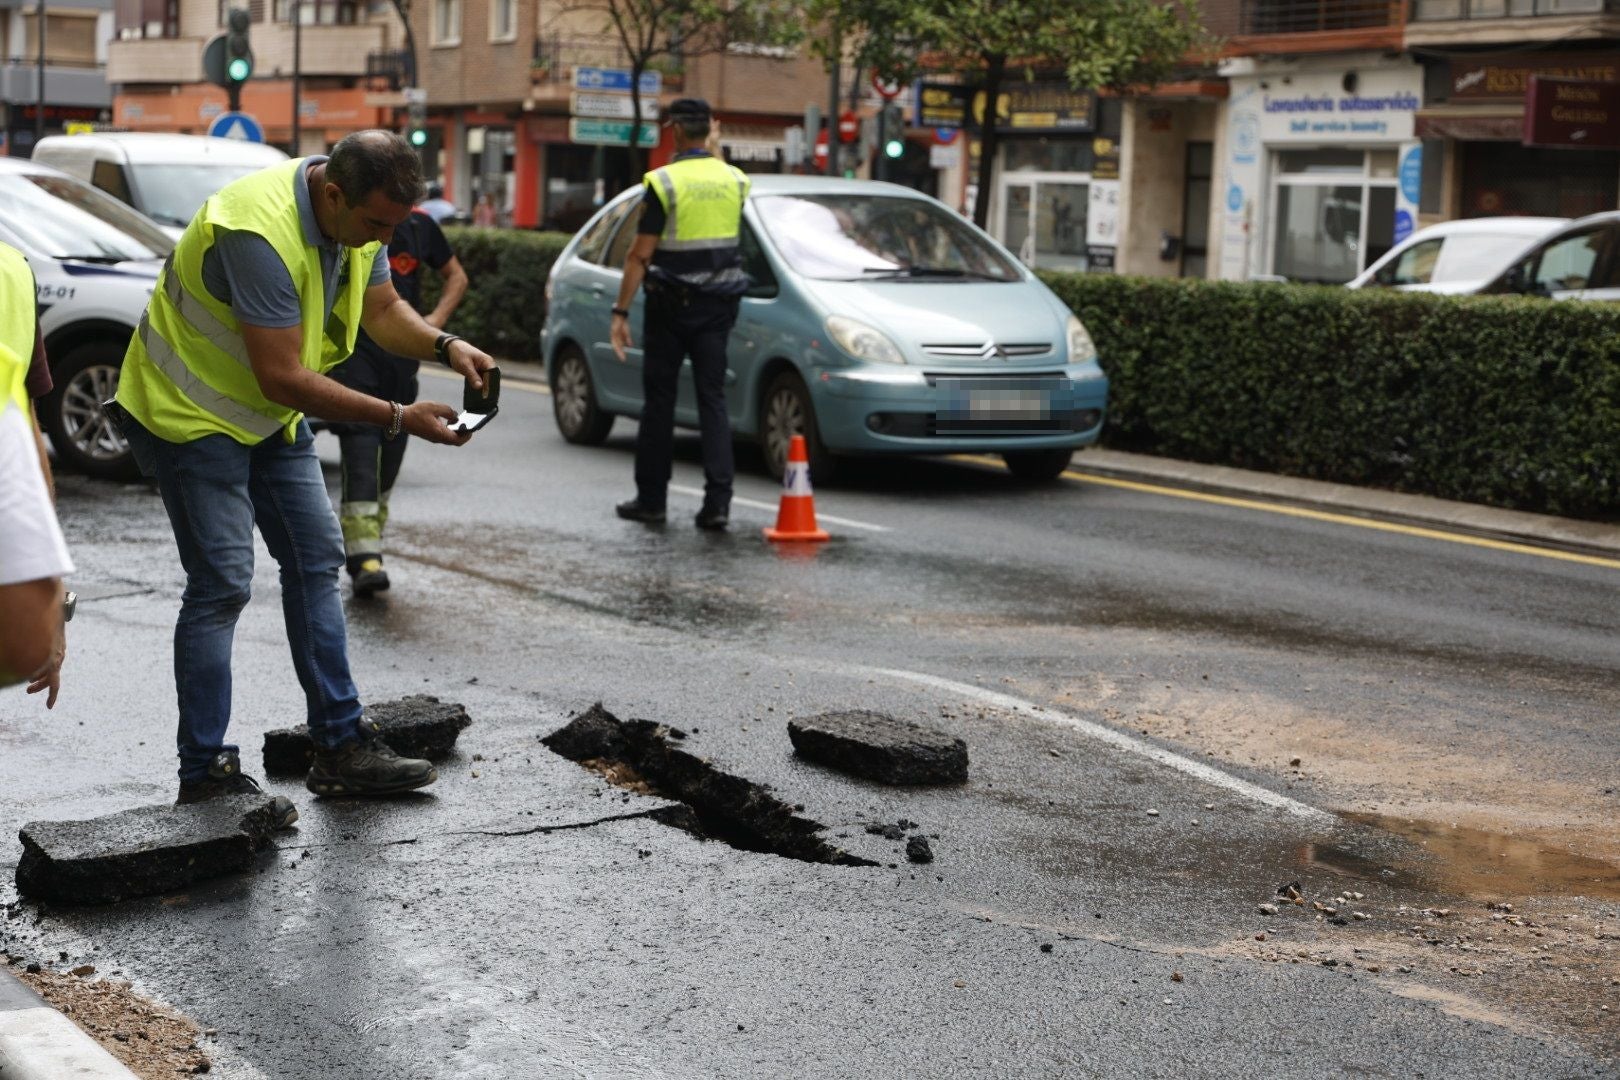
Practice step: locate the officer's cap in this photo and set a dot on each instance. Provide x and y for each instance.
(687, 109)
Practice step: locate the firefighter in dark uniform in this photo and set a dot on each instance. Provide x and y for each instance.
(370, 462)
(686, 250)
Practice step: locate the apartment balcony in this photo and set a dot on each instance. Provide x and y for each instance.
(64, 84)
(554, 60)
(1313, 26)
(1511, 22)
(154, 60)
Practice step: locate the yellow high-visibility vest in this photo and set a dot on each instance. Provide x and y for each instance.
(187, 374)
(703, 201)
(19, 316)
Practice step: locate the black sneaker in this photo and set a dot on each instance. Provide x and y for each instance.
(367, 766)
(714, 519)
(635, 510)
(225, 777)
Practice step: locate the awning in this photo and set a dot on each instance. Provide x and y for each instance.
(1472, 123)
(751, 142)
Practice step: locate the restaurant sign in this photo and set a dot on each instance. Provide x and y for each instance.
(1508, 78)
(1572, 113)
(1031, 108)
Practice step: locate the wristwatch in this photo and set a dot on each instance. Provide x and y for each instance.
(70, 604)
(441, 347)
(622, 311)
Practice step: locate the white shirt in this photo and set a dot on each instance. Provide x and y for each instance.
(31, 544)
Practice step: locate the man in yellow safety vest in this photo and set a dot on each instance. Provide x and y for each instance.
(264, 294)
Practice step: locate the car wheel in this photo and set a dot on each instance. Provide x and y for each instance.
(786, 412)
(573, 401)
(1037, 464)
(81, 432)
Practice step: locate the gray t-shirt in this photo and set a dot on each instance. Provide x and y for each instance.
(242, 269)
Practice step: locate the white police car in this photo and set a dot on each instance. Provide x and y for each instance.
(96, 262)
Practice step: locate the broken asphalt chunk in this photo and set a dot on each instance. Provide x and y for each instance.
(144, 851)
(918, 851)
(879, 747)
(418, 726)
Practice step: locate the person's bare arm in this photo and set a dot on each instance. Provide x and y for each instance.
(274, 353)
(44, 461)
(31, 638)
(455, 287)
(635, 271)
(395, 325)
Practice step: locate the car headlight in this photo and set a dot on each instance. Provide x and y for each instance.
(1081, 347)
(861, 341)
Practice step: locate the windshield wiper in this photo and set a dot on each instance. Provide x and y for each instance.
(898, 272)
(104, 260)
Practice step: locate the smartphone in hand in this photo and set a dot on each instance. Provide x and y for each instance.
(479, 407)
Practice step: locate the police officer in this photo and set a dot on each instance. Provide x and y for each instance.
(686, 251)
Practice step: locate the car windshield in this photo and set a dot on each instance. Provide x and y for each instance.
(842, 237)
(66, 218)
(172, 193)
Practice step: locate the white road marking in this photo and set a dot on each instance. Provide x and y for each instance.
(1116, 739)
(757, 505)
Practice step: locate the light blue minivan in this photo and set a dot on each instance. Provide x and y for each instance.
(878, 322)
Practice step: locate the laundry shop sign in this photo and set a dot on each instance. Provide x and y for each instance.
(1329, 116)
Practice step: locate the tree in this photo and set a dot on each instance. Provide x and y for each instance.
(1096, 44)
(677, 30)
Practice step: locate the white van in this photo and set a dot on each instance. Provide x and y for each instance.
(96, 262)
(165, 177)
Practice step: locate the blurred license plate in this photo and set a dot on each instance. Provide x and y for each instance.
(996, 404)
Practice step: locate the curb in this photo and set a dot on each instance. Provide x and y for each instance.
(1590, 538)
(39, 1043)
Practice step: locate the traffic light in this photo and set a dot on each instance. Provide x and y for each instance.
(228, 57)
(894, 132)
(416, 132)
(238, 53)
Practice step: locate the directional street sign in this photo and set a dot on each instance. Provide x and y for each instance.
(236, 125)
(610, 132)
(610, 106)
(616, 80)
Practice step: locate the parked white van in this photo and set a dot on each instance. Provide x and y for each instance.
(96, 262)
(165, 177)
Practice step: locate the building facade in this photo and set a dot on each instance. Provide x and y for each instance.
(348, 55)
(511, 123)
(74, 70)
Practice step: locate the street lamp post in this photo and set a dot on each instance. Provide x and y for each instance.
(39, 76)
(297, 80)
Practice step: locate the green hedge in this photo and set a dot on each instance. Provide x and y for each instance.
(506, 299)
(1506, 401)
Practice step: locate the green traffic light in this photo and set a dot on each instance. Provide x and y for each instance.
(894, 148)
(418, 136)
(239, 69)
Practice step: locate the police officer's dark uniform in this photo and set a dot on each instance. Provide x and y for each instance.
(694, 283)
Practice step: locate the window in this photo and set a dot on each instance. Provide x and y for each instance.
(311, 12)
(837, 237)
(1333, 213)
(1414, 266)
(70, 40)
(1567, 265)
(502, 20)
(619, 250)
(109, 177)
(137, 19)
(594, 243)
(761, 282)
(447, 22)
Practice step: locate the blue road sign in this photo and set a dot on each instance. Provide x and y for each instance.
(616, 80)
(236, 125)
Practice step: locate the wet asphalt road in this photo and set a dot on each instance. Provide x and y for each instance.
(524, 919)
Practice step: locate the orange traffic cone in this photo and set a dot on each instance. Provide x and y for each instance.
(796, 516)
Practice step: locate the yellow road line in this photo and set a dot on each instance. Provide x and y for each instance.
(506, 384)
(1323, 515)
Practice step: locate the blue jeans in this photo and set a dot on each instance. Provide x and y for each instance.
(215, 490)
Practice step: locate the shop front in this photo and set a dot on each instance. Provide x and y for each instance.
(1473, 116)
(1322, 172)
